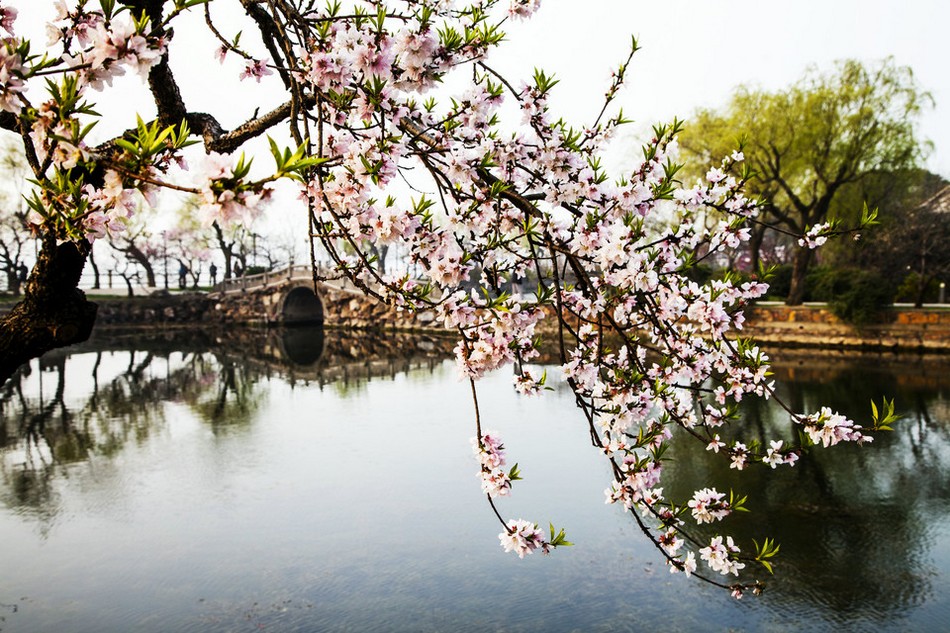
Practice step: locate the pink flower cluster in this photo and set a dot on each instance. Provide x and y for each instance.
(721, 556)
(523, 537)
(827, 428)
(637, 482)
(707, 506)
(11, 75)
(7, 18)
(490, 453)
(775, 456)
(11, 65)
(222, 197)
(523, 8)
(106, 47)
(110, 207)
(816, 236)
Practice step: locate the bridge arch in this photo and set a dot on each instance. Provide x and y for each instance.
(301, 306)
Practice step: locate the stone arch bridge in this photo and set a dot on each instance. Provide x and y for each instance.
(284, 297)
(287, 297)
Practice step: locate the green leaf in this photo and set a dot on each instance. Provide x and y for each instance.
(559, 539)
(108, 6)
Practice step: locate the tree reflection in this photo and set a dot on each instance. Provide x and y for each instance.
(860, 539)
(127, 379)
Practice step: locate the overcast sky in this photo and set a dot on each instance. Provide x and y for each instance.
(694, 53)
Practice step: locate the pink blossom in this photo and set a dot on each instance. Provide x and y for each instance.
(11, 79)
(255, 68)
(719, 556)
(523, 8)
(522, 537)
(489, 451)
(828, 428)
(707, 506)
(686, 565)
(7, 18)
(773, 456)
(815, 237)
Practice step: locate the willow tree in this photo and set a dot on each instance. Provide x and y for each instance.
(809, 142)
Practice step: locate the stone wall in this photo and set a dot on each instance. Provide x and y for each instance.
(359, 312)
(925, 330)
(157, 309)
(341, 309)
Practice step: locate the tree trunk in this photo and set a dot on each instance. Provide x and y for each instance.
(922, 282)
(755, 247)
(227, 249)
(95, 272)
(800, 261)
(13, 284)
(53, 312)
(128, 285)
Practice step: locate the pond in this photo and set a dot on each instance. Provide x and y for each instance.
(311, 481)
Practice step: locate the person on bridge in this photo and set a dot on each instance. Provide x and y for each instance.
(213, 271)
(182, 275)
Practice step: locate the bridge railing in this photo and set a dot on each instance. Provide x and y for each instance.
(262, 280)
(300, 272)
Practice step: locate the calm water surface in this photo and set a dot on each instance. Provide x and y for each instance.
(296, 482)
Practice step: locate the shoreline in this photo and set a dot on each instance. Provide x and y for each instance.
(773, 326)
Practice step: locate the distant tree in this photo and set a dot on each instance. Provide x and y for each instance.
(140, 246)
(909, 250)
(191, 250)
(234, 241)
(228, 242)
(905, 250)
(128, 271)
(276, 250)
(16, 240)
(807, 143)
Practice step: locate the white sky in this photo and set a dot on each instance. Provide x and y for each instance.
(694, 53)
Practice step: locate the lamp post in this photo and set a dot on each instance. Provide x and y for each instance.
(165, 255)
(943, 292)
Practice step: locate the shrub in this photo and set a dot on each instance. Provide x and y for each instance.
(857, 296)
(907, 290)
(780, 281)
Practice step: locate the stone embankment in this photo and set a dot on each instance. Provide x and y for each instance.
(155, 309)
(925, 330)
(181, 309)
(775, 326)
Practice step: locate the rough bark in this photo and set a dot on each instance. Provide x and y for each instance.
(800, 261)
(755, 247)
(53, 312)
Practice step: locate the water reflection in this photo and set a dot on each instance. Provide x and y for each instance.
(294, 460)
(858, 526)
(121, 383)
